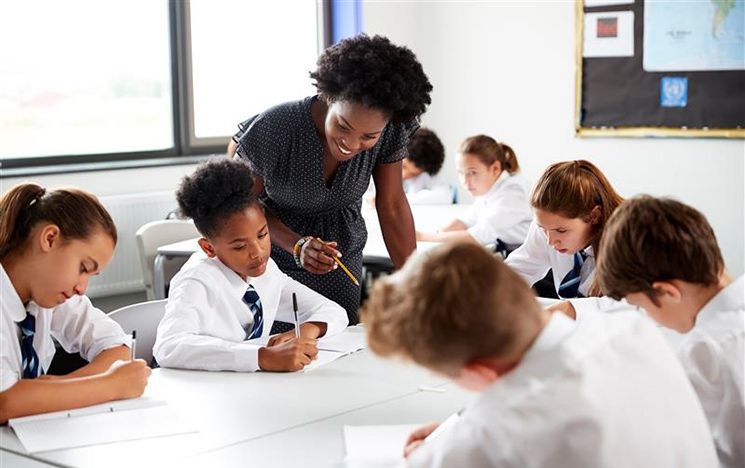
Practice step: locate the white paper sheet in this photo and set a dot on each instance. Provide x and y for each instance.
(345, 342)
(99, 424)
(609, 34)
(376, 445)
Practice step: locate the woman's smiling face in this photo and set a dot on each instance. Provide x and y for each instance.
(351, 128)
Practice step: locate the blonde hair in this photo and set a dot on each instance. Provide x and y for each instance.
(449, 306)
(488, 151)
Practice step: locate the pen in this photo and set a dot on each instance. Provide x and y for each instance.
(134, 345)
(343, 267)
(294, 309)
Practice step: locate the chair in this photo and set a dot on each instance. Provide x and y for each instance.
(143, 318)
(152, 235)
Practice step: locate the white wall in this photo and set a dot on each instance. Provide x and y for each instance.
(507, 69)
(103, 183)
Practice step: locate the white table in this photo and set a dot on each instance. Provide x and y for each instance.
(273, 415)
(426, 218)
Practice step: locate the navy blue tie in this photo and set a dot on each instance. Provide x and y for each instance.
(569, 287)
(30, 360)
(251, 298)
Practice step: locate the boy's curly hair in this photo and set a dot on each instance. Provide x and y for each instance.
(374, 72)
(214, 192)
(426, 151)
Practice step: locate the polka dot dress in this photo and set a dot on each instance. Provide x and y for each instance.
(281, 145)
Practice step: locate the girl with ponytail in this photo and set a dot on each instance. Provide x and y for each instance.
(500, 213)
(51, 243)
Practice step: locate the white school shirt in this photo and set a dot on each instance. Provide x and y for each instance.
(426, 189)
(503, 212)
(75, 324)
(206, 319)
(605, 392)
(712, 355)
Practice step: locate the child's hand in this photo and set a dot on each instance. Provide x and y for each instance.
(564, 307)
(281, 338)
(128, 378)
(316, 256)
(417, 437)
(290, 356)
(307, 330)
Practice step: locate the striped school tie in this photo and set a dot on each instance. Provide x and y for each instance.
(569, 287)
(29, 359)
(251, 298)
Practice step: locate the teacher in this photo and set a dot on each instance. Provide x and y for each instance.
(313, 160)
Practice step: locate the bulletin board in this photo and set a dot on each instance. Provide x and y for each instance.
(681, 74)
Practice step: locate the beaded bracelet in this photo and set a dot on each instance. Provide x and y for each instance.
(298, 248)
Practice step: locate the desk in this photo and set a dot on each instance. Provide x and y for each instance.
(277, 417)
(426, 218)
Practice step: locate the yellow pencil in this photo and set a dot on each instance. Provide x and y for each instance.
(343, 267)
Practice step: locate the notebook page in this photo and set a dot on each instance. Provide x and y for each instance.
(93, 429)
(378, 445)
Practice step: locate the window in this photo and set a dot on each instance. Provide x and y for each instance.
(104, 82)
(84, 82)
(246, 57)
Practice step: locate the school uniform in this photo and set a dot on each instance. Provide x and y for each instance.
(605, 392)
(75, 324)
(426, 189)
(503, 212)
(209, 315)
(712, 356)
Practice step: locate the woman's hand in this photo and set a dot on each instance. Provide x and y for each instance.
(317, 256)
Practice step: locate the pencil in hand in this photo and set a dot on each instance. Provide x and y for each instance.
(343, 267)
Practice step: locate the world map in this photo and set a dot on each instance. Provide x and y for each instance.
(694, 35)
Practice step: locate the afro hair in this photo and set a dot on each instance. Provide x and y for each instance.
(374, 72)
(426, 151)
(214, 192)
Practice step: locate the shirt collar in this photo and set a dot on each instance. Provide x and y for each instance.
(553, 333)
(730, 298)
(498, 183)
(11, 302)
(234, 280)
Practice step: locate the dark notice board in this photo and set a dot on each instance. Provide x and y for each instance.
(617, 95)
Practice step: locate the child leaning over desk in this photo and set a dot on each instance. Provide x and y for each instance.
(605, 391)
(232, 291)
(51, 243)
(663, 256)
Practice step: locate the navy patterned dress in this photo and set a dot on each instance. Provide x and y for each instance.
(283, 147)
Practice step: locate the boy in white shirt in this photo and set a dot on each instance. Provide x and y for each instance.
(662, 255)
(233, 291)
(603, 392)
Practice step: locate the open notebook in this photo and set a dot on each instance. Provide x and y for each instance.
(114, 421)
(349, 341)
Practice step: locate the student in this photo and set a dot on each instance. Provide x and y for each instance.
(424, 158)
(419, 169)
(663, 256)
(51, 243)
(572, 201)
(500, 213)
(605, 391)
(233, 291)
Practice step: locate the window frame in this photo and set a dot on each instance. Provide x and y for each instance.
(186, 147)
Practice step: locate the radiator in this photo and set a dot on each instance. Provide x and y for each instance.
(124, 273)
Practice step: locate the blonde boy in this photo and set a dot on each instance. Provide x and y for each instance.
(663, 256)
(606, 391)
